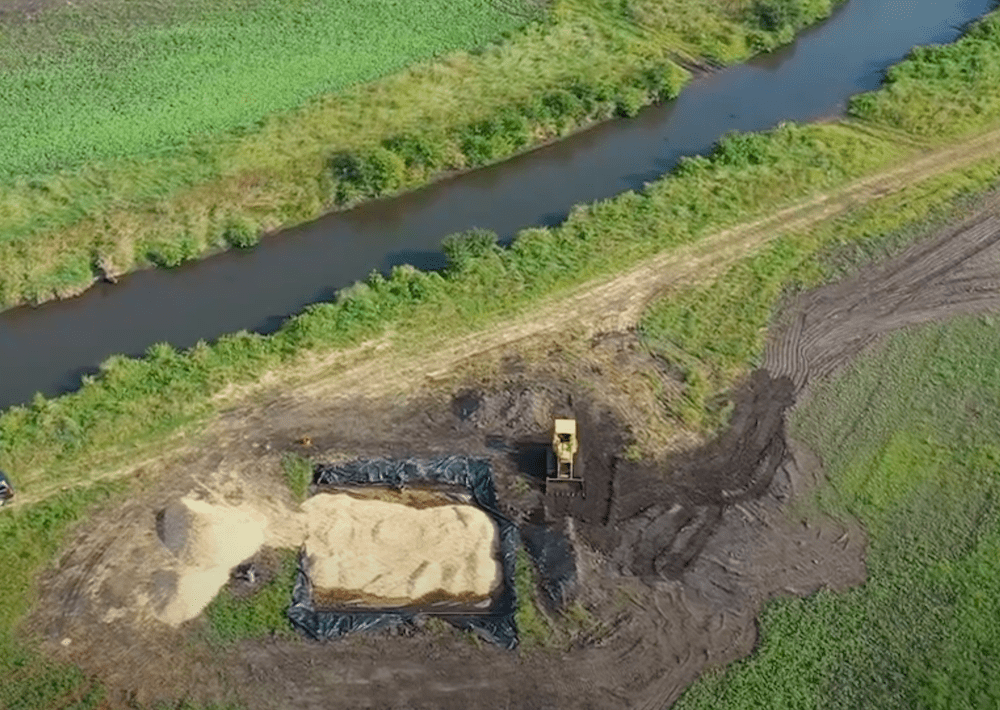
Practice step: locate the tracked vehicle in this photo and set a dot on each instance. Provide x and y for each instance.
(563, 476)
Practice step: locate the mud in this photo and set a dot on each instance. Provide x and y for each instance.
(674, 551)
(956, 272)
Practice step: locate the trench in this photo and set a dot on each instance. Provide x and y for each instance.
(48, 348)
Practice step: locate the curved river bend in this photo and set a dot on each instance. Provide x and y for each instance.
(49, 347)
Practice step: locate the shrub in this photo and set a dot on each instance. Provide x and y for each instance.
(168, 254)
(417, 150)
(241, 233)
(367, 173)
(777, 15)
(630, 100)
(464, 248)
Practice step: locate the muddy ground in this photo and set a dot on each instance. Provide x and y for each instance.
(676, 549)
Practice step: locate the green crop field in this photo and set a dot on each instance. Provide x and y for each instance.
(140, 134)
(910, 438)
(82, 85)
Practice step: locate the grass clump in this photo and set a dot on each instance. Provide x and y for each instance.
(298, 471)
(538, 629)
(534, 629)
(232, 619)
(909, 437)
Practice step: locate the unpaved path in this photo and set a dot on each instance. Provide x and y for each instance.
(955, 273)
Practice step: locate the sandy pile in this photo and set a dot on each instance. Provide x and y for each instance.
(208, 540)
(398, 554)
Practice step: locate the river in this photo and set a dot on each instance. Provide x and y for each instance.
(49, 347)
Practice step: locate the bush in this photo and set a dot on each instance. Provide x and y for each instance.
(241, 233)
(777, 15)
(417, 150)
(495, 137)
(464, 248)
(368, 173)
(168, 254)
(630, 101)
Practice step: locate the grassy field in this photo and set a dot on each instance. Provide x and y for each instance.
(85, 84)
(910, 438)
(104, 177)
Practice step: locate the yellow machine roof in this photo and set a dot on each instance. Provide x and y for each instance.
(565, 426)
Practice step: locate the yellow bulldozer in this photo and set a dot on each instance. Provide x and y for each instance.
(563, 477)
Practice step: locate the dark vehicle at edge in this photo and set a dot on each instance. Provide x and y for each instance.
(6, 489)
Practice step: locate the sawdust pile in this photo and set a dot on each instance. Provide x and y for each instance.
(208, 541)
(394, 554)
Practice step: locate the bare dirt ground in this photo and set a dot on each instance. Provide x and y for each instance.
(676, 552)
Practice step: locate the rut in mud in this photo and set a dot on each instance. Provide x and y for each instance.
(954, 273)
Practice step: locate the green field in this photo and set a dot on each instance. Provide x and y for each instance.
(154, 142)
(910, 439)
(122, 79)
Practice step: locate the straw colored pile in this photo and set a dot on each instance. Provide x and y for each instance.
(394, 554)
(210, 541)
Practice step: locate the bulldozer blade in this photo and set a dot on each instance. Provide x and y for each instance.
(564, 487)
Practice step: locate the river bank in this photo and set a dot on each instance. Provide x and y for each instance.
(62, 231)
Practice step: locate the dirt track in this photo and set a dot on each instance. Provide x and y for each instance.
(675, 556)
(957, 272)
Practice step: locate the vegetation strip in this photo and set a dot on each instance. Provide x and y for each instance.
(135, 401)
(588, 60)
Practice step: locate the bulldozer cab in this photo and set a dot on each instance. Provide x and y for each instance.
(562, 477)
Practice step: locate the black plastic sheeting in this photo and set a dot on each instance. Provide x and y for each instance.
(495, 625)
(552, 553)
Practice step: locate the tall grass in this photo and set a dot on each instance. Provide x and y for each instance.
(941, 91)
(588, 60)
(910, 442)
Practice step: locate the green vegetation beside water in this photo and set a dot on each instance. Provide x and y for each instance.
(133, 401)
(910, 438)
(941, 91)
(163, 179)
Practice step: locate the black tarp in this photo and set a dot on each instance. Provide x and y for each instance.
(472, 474)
